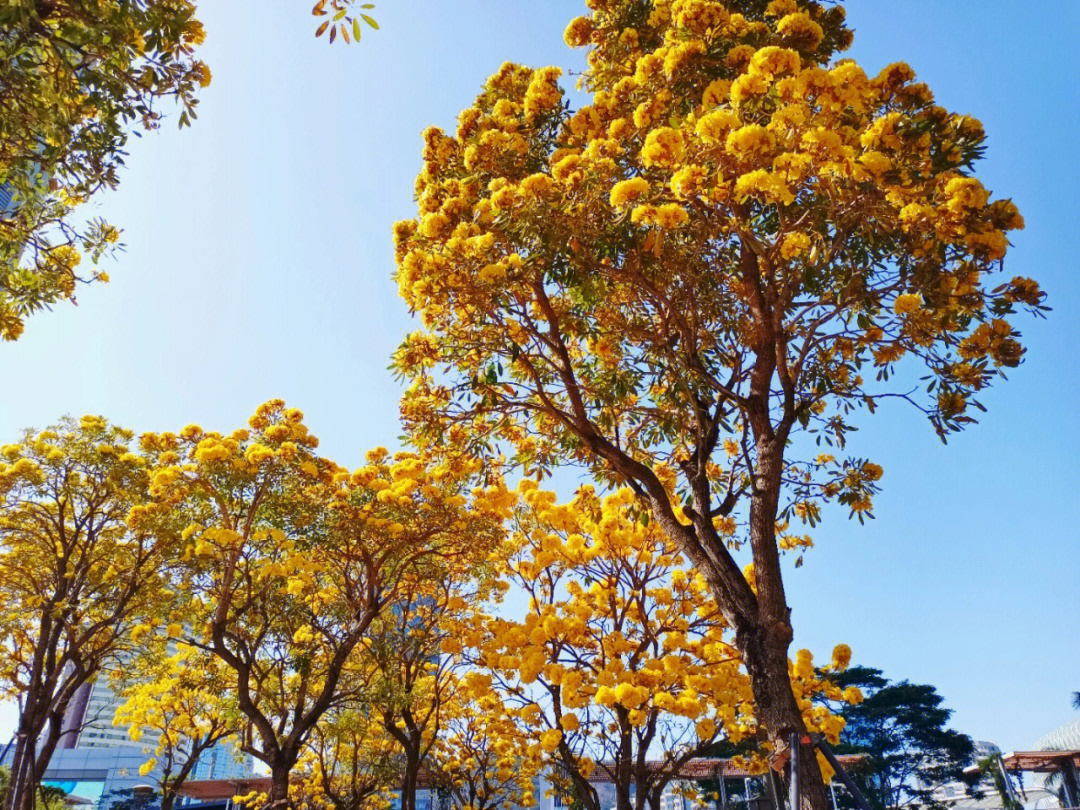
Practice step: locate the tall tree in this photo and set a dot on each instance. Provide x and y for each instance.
(290, 559)
(75, 79)
(82, 582)
(739, 238)
(902, 728)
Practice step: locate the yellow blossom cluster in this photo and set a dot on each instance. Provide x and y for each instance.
(781, 124)
(618, 636)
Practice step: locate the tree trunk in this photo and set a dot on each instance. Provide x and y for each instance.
(764, 644)
(30, 760)
(408, 783)
(279, 786)
(778, 713)
(170, 785)
(18, 781)
(584, 794)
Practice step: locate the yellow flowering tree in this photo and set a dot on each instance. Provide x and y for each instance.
(351, 762)
(182, 704)
(289, 560)
(77, 78)
(415, 688)
(490, 761)
(620, 663)
(81, 583)
(739, 237)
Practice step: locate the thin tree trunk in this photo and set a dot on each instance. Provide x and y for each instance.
(170, 785)
(408, 783)
(585, 796)
(30, 761)
(18, 782)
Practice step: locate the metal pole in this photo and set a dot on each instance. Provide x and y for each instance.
(832, 790)
(793, 779)
(774, 794)
(849, 783)
(1009, 792)
(1068, 779)
(723, 790)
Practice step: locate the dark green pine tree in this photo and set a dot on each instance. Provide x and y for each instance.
(901, 728)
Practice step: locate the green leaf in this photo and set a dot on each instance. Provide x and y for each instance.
(370, 21)
(356, 29)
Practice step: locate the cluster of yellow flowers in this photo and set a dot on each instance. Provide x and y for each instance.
(615, 623)
(776, 125)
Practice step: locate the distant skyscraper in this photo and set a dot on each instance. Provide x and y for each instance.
(88, 725)
(89, 719)
(7, 199)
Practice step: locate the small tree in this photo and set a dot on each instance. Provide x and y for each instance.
(490, 763)
(289, 560)
(351, 763)
(184, 701)
(739, 237)
(81, 581)
(415, 685)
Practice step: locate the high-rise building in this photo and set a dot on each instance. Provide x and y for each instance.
(99, 763)
(88, 721)
(7, 198)
(88, 725)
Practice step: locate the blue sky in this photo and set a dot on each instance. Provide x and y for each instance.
(258, 265)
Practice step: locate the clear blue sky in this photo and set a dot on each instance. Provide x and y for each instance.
(259, 261)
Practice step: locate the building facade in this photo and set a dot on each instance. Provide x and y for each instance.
(99, 762)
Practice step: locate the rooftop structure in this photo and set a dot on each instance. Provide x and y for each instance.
(1061, 738)
(1065, 763)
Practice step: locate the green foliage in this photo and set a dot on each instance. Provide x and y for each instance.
(76, 78)
(989, 769)
(49, 797)
(901, 727)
